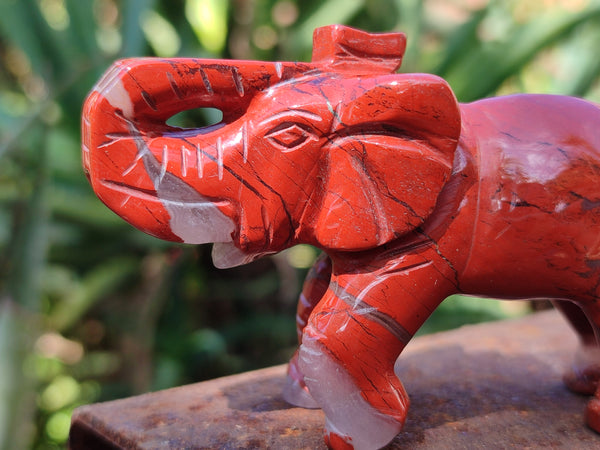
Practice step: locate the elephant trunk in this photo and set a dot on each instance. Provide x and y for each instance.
(129, 150)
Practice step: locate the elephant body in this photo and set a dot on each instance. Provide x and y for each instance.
(537, 214)
(518, 218)
(412, 197)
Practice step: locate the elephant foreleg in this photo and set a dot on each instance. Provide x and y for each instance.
(313, 289)
(351, 343)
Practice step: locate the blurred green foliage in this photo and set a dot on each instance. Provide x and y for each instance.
(91, 309)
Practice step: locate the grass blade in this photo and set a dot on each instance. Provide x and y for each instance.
(98, 283)
(30, 242)
(134, 42)
(17, 398)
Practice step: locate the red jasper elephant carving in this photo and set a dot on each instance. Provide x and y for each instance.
(411, 196)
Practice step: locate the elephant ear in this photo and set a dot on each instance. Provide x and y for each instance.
(391, 154)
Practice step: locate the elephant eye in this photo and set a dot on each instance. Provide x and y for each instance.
(290, 136)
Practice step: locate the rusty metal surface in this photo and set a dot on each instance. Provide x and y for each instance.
(486, 386)
(240, 411)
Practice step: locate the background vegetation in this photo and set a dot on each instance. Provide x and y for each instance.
(91, 309)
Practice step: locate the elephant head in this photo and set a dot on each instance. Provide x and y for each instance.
(341, 153)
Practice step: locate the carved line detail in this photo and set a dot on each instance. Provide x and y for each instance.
(220, 157)
(372, 313)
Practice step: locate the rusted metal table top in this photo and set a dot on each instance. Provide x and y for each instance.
(495, 385)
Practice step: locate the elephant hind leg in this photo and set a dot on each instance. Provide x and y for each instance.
(592, 367)
(584, 376)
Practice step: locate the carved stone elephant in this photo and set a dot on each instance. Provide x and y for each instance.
(411, 196)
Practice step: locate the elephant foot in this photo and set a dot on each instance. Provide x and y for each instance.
(337, 442)
(583, 382)
(352, 422)
(584, 377)
(592, 412)
(295, 391)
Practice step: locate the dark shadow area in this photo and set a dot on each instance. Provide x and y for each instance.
(488, 399)
(257, 396)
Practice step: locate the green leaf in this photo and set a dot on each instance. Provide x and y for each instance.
(411, 23)
(483, 70)
(580, 63)
(208, 19)
(330, 12)
(98, 283)
(16, 28)
(134, 42)
(29, 246)
(83, 208)
(461, 42)
(82, 25)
